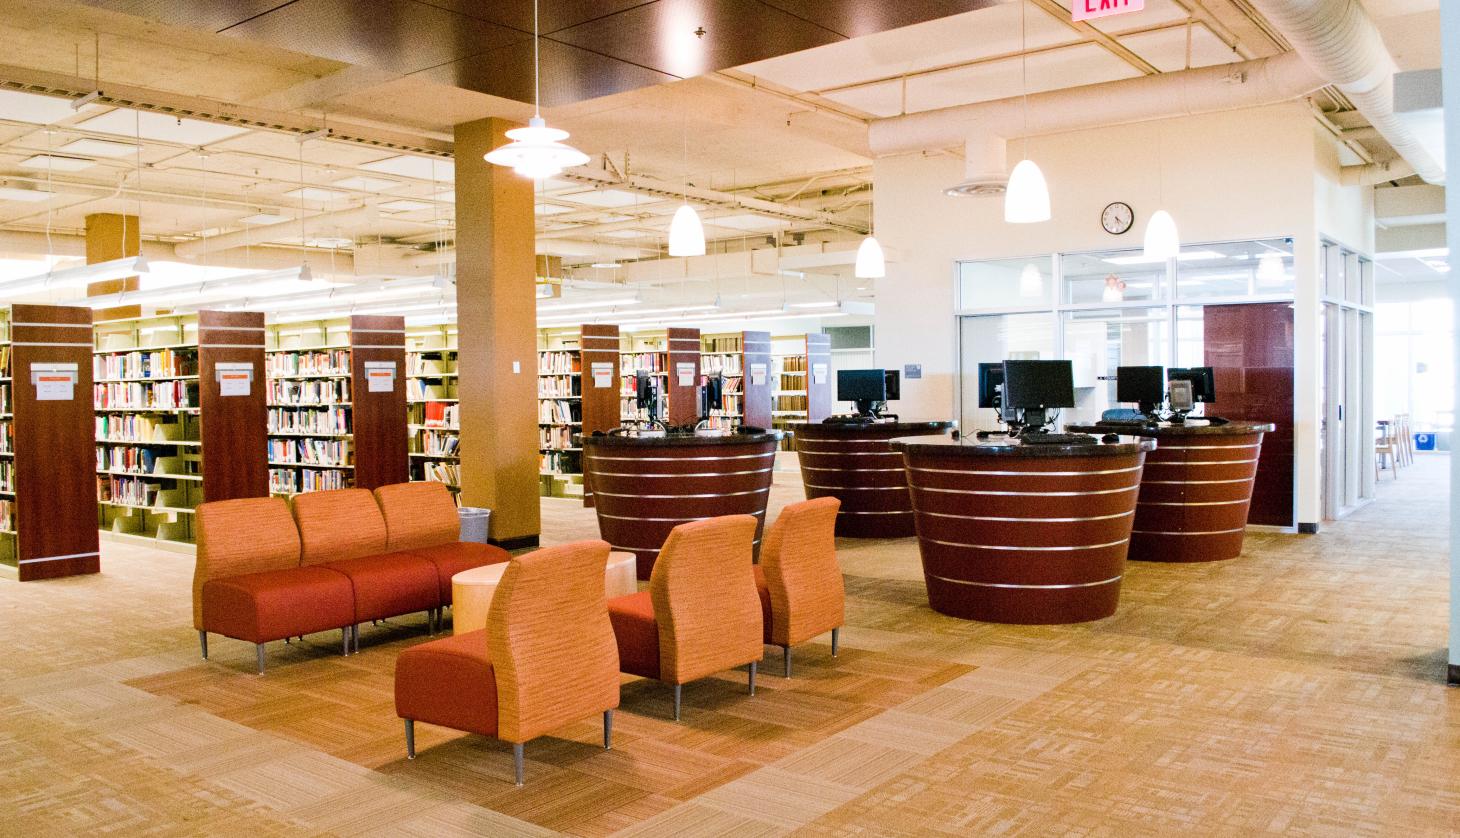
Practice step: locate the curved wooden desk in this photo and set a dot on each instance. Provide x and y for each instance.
(1013, 533)
(643, 487)
(1196, 490)
(853, 462)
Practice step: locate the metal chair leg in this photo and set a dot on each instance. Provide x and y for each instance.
(345, 641)
(355, 637)
(203, 641)
(410, 738)
(608, 730)
(259, 648)
(834, 637)
(786, 660)
(752, 677)
(517, 761)
(678, 693)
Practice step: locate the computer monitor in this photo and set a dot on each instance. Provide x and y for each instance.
(1146, 386)
(893, 385)
(712, 394)
(1036, 386)
(866, 388)
(646, 393)
(990, 385)
(1203, 382)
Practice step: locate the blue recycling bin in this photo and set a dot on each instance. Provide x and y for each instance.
(1424, 442)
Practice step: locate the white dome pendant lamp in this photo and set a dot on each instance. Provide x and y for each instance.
(1027, 199)
(686, 233)
(1161, 241)
(536, 151)
(871, 264)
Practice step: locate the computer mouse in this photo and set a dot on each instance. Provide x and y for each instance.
(1110, 438)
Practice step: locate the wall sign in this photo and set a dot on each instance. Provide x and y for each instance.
(1092, 9)
(686, 373)
(602, 374)
(234, 378)
(757, 375)
(54, 382)
(380, 376)
(818, 373)
(912, 371)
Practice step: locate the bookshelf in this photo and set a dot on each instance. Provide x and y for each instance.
(745, 360)
(642, 353)
(149, 445)
(802, 391)
(433, 416)
(47, 498)
(329, 427)
(572, 400)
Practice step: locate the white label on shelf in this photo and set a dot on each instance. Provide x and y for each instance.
(818, 373)
(686, 374)
(757, 375)
(380, 376)
(54, 382)
(234, 378)
(602, 374)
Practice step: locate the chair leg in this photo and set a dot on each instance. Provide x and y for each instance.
(835, 635)
(517, 761)
(345, 641)
(752, 677)
(786, 660)
(410, 738)
(355, 638)
(678, 693)
(259, 649)
(203, 642)
(608, 730)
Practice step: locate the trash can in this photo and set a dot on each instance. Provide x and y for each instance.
(475, 522)
(1424, 442)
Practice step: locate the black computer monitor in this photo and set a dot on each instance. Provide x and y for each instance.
(866, 388)
(892, 385)
(712, 394)
(1203, 382)
(991, 385)
(1036, 386)
(1146, 386)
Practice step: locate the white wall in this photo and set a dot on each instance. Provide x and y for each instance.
(1238, 175)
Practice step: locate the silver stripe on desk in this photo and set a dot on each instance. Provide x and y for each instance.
(662, 520)
(685, 497)
(1191, 503)
(1025, 587)
(857, 488)
(681, 459)
(59, 558)
(597, 473)
(1200, 532)
(1011, 548)
(1024, 473)
(1029, 520)
(1026, 494)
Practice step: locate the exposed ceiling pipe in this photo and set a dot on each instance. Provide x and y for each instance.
(1372, 173)
(983, 127)
(1340, 42)
(324, 222)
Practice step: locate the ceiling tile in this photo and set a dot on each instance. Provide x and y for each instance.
(555, 15)
(569, 74)
(197, 14)
(853, 18)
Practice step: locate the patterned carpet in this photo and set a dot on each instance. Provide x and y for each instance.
(1295, 690)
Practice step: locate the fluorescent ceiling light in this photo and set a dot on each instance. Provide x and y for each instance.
(553, 209)
(405, 205)
(821, 304)
(749, 222)
(363, 183)
(28, 196)
(33, 108)
(54, 163)
(414, 166)
(74, 277)
(161, 127)
(602, 198)
(606, 265)
(1186, 256)
(99, 148)
(265, 218)
(329, 242)
(627, 234)
(618, 301)
(315, 193)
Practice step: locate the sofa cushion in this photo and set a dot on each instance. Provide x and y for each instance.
(451, 559)
(390, 585)
(637, 634)
(275, 604)
(448, 682)
(339, 524)
(762, 588)
(418, 515)
(245, 535)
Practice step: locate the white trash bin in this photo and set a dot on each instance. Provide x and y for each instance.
(475, 523)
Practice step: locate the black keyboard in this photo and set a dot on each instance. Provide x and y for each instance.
(1057, 439)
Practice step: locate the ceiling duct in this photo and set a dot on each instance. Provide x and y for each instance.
(325, 222)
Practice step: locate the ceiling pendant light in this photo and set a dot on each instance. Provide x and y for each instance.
(1031, 281)
(1027, 198)
(686, 233)
(1114, 291)
(1270, 269)
(871, 264)
(536, 151)
(1162, 242)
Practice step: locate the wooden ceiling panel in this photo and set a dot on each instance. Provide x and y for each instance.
(855, 18)
(555, 14)
(569, 74)
(214, 15)
(399, 36)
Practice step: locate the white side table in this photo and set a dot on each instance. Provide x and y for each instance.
(472, 590)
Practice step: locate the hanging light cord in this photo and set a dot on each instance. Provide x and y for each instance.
(536, 66)
(1024, 69)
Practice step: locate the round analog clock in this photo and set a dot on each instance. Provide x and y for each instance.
(1117, 217)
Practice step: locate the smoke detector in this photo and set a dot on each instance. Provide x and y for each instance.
(978, 186)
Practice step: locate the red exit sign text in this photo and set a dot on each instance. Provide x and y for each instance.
(1091, 9)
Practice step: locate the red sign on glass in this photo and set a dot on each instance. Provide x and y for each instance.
(1091, 9)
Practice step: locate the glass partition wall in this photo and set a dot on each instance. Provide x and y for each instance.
(1227, 305)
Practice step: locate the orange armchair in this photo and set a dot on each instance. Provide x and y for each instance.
(700, 614)
(800, 582)
(546, 658)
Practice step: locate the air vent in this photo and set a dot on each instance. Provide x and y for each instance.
(978, 186)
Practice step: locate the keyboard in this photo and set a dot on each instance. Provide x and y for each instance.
(1057, 439)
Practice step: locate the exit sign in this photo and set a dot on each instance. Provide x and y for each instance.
(1091, 9)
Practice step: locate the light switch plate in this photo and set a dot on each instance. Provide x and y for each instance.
(516, 367)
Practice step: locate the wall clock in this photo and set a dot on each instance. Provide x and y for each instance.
(1117, 217)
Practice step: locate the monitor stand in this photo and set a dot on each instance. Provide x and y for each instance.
(867, 409)
(1035, 420)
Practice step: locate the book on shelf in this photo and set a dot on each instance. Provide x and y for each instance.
(309, 362)
(723, 344)
(7, 515)
(439, 444)
(440, 472)
(154, 363)
(285, 420)
(559, 412)
(418, 390)
(165, 395)
(420, 365)
(441, 415)
(7, 437)
(314, 452)
(794, 402)
(727, 365)
(287, 391)
(7, 476)
(793, 363)
(559, 462)
(295, 481)
(558, 386)
(559, 361)
(632, 362)
(137, 429)
(556, 437)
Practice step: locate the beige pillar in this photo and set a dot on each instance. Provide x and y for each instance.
(497, 316)
(111, 236)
